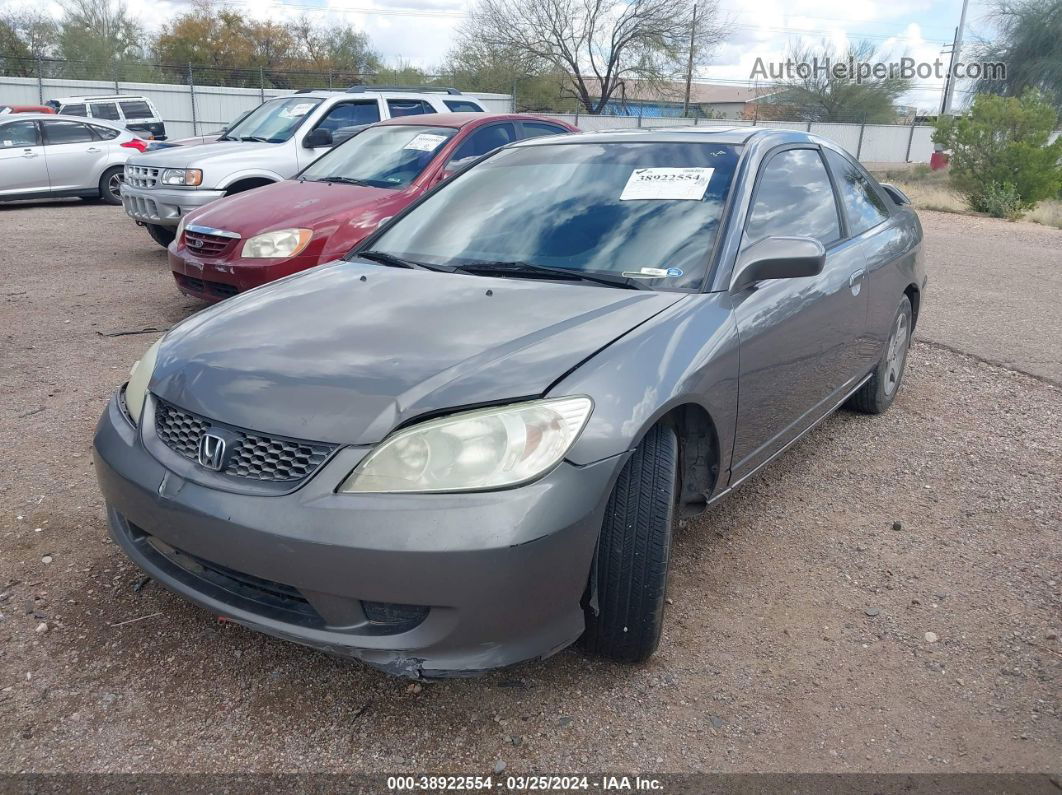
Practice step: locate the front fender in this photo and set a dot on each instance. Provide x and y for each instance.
(251, 173)
(686, 354)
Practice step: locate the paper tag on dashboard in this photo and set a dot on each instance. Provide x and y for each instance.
(667, 183)
(425, 142)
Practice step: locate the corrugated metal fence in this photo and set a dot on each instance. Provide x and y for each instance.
(186, 109)
(198, 109)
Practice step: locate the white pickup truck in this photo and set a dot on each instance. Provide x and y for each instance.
(272, 143)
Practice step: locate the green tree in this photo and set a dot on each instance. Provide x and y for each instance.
(480, 66)
(343, 51)
(25, 35)
(1029, 44)
(820, 94)
(1001, 160)
(101, 35)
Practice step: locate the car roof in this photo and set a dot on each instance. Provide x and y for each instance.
(324, 93)
(78, 98)
(691, 134)
(462, 119)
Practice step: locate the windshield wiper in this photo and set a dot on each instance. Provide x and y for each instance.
(390, 260)
(344, 180)
(256, 138)
(546, 272)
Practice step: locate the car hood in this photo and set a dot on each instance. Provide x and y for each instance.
(320, 206)
(348, 351)
(196, 156)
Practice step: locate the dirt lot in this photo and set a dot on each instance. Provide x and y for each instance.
(797, 637)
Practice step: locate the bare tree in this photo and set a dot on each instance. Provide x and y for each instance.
(601, 45)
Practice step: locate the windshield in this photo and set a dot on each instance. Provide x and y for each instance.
(273, 122)
(646, 211)
(390, 156)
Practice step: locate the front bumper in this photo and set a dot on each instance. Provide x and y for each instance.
(499, 576)
(164, 206)
(217, 278)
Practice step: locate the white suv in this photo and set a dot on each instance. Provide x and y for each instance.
(274, 142)
(132, 111)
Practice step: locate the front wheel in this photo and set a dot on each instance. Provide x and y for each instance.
(633, 551)
(111, 185)
(163, 235)
(877, 394)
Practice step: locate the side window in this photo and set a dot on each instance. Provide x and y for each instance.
(794, 198)
(864, 207)
(73, 110)
(485, 139)
(537, 129)
(463, 106)
(66, 132)
(104, 133)
(350, 114)
(136, 109)
(408, 107)
(19, 133)
(104, 110)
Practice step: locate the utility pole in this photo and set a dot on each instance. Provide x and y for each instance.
(956, 51)
(689, 63)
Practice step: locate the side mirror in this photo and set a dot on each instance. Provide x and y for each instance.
(778, 258)
(315, 139)
(896, 194)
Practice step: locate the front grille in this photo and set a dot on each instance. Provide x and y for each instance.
(203, 287)
(251, 455)
(141, 176)
(207, 245)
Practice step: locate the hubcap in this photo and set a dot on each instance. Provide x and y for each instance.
(895, 354)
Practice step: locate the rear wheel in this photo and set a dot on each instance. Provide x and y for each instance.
(163, 235)
(111, 185)
(633, 552)
(877, 394)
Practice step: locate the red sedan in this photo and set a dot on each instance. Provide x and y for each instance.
(254, 237)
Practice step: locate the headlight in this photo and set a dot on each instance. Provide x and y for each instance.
(474, 450)
(182, 176)
(277, 244)
(139, 375)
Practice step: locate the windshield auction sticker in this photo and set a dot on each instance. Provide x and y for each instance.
(425, 142)
(687, 184)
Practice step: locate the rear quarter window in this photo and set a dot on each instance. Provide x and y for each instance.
(136, 109)
(104, 110)
(463, 106)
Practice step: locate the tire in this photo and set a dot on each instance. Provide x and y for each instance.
(162, 235)
(111, 184)
(633, 551)
(877, 394)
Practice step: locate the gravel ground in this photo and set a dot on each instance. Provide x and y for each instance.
(799, 634)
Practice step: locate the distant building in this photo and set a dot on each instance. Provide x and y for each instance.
(707, 100)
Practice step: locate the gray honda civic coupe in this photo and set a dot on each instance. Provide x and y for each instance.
(468, 443)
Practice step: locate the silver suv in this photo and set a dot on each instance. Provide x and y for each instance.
(274, 142)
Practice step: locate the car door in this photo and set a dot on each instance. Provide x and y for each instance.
(341, 116)
(799, 337)
(23, 168)
(76, 157)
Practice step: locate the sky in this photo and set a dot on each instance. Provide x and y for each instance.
(420, 32)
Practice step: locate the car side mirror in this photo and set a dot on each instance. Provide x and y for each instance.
(778, 258)
(895, 194)
(315, 139)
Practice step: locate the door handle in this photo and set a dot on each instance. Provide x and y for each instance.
(29, 153)
(855, 277)
(93, 149)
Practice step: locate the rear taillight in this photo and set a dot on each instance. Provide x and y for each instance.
(137, 144)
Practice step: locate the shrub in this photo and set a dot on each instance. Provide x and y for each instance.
(1000, 200)
(1000, 154)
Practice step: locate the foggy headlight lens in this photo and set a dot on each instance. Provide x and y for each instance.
(182, 176)
(276, 244)
(139, 375)
(475, 450)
